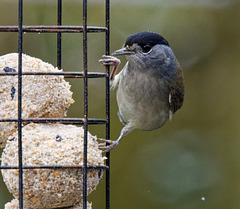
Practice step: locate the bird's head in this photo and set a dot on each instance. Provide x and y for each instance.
(149, 51)
(141, 42)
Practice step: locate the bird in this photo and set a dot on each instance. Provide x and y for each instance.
(150, 87)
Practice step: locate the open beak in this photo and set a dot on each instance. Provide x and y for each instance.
(123, 51)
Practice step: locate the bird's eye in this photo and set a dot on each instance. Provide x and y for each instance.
(146, 48)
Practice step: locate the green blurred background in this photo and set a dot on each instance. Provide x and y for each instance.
(193, 161)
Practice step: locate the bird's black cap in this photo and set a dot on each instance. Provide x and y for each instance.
(145, 38)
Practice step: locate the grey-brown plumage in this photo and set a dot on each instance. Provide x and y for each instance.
(150, 86)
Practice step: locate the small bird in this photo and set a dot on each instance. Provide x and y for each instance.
(150, 85)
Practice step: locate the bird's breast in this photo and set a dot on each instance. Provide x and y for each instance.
(143, 99)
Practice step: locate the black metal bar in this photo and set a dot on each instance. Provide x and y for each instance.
(20, 48)
(52, 29)
(76, 121)
(85, 70)
(59, 36)
(56, 167)
(65, 74)
(107, 51)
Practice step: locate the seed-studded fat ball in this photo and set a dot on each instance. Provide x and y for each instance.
(43, 96)
(52, 144)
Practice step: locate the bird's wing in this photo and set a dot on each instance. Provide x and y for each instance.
(176, 95)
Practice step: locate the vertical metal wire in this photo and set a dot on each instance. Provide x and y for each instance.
(85, 81)
(59, 36)
(20, 48)
(107, 51)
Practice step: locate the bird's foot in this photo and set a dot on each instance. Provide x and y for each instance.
(107, 148)
(112, 61)
(109, 60)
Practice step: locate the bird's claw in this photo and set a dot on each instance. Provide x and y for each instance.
(110, 60)
(105, 140)
(107, 148)
(101, 144)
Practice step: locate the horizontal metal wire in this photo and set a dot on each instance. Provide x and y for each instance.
(52, 29)
(65, 74)
(77, 121)
(56, 167)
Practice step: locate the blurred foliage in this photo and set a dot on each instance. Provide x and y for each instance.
(194, 156)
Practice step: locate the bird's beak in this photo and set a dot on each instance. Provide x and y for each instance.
(123, 51)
